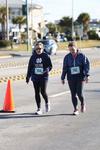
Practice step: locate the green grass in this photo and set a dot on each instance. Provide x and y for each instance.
(61, 45)
(18, 47)
(80, 44)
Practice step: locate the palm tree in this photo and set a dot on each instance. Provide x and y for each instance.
(20, 20)
(3, 18)
(84, 19)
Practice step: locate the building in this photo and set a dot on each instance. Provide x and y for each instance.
(95, 25)
(35, 17)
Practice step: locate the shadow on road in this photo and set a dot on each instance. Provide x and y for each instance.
(92, 91)
(29, 115)
(94, 82)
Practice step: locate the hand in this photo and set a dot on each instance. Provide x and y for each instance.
(46, 71)
(63, 81)
(27, 80)
(86, 79)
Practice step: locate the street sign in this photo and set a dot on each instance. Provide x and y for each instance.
(24, 9)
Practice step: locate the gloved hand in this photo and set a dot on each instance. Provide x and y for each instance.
(86, 79)
(27, 80)
(46, 70)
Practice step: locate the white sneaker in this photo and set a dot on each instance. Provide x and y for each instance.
(38, 112)
(76, 112)
(47, 107)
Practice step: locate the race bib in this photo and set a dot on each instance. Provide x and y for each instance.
(38, 71)
(75, 70)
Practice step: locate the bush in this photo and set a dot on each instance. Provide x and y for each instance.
(77, 38)
(93, 35)
(5, 43)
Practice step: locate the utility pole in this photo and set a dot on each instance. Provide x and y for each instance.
(27, 23)
(72, 19)
(7, 21)
(31, 22)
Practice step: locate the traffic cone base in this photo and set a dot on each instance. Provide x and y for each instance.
(8, 101)
(3, 111)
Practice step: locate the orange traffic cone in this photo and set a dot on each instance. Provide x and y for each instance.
(8, 101)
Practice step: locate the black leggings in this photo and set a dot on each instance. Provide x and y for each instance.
(76, 88)
(40, 87)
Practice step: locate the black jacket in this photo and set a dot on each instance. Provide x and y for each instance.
(39, 66)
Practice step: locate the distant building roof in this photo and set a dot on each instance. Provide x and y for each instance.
(11, 2)
(36, 6)
(19, 3)
(95, 20)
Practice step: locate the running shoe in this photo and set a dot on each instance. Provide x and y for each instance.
(38, 112)
(76, 112)
(47, 107)
(83, 108)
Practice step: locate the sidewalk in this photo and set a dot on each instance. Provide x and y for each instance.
(11, 53)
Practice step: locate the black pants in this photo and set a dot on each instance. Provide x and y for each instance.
(40, 87)
(76, 88)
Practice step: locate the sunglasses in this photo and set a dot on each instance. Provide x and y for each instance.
(38, 49)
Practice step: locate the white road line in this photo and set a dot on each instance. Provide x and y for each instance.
(59, 94)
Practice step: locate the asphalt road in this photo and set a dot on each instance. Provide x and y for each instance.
(58, 129)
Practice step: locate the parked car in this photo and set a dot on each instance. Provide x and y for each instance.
(50, 46)
(61, 39)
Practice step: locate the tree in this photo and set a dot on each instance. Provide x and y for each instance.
(52, 27)
(20, 20)
(3, 19)
(93, 35)
(66, 24)
(84, 19)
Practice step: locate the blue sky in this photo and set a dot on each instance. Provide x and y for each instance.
(56, 9)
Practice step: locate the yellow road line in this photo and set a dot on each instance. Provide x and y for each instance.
(53, 73)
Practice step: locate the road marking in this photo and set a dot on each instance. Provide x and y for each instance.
(54, 72)
(59, 94)
(5, 56)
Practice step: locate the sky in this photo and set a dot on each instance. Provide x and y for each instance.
(56, 9)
